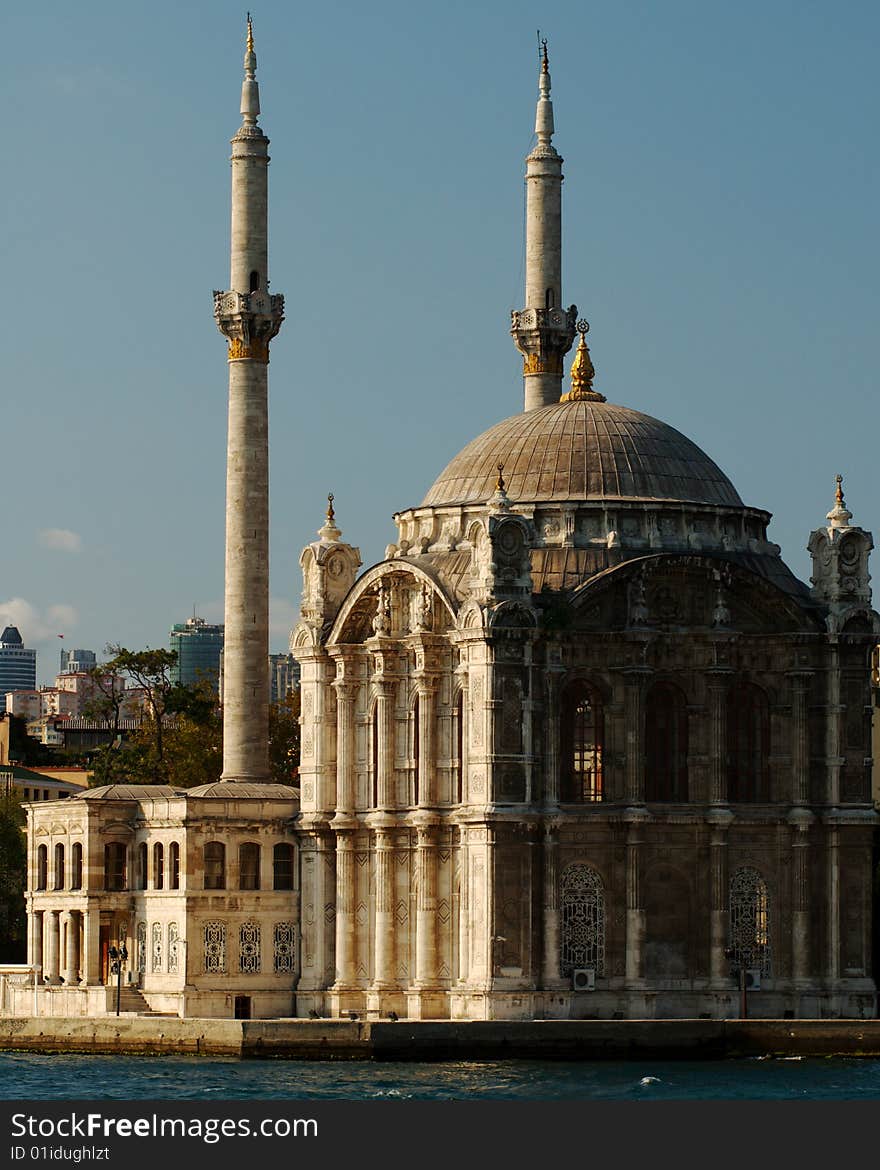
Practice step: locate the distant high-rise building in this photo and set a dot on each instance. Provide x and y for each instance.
(77, 661)
(283, 676)
(198, 645)
(18, 666)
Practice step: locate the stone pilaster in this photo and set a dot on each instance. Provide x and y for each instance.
(800, 897)
(634, 711)
(346, 688)
(71, 950)
(346, 927)
(800, 745)
(832, 961)
(427, 733)
(385, 725)
(384, 957)
(35, 938)
(718, 687)
(719, 967)
(91, 961)
(550, 976)
(52, 920)
(635, 911)
(426, 907)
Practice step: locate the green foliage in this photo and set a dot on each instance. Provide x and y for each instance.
(13, 877)
(284, 738)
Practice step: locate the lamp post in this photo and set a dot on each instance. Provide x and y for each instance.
(118, 956)
(730, 955)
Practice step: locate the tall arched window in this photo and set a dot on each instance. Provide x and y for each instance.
(748, 744)
(582, 744)
(59, 866)
(750, 920)
(42, 867)
(174, 866)
(114, 865)
(215, 865)
(666, 743)
(142, 866)
(249, 866)
(76, 866)
(158, 866)
(458, 750)
(582, 906)
(282, 867)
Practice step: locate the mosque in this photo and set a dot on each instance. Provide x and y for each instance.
(580, 746)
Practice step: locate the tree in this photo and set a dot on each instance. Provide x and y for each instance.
(13, 878)
(284, 738)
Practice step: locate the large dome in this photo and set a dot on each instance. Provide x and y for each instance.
(583, 450)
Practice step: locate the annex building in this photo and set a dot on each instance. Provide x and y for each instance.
(581, 745)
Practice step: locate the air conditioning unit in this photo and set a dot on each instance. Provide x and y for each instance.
(583, 979)
(753, 979)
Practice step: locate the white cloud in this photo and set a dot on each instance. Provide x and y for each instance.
(35, 626)
(61, 539)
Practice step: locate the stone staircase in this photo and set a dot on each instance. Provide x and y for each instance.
(131, 1003)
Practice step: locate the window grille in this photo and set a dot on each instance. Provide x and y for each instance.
(156, 947)
(141, 947)
(750, 920)
(215, 948)
(285, 948)
(249, 948)
(173, 948)
(583, 920)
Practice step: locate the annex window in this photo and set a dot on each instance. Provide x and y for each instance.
(666, 744)
(750, 920)
(748, 744)
(583, 920)
(215, 865)
(42, 867)
(582, 744)
(249, 866)
(174, 866)
(142, 866)
(282, 867)
(114, 865)
(76, 866)
(158, 866)
(59, 867)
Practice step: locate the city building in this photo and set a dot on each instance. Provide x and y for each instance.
(283, 676)
(77, 661)
(199, 646)
(18, 665)
(581, 745)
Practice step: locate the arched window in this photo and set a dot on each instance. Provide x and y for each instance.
(174, 866)
(416, 749)
(282, 867)
(254, 281)
(142, 866)
(115, 877)
(666, 743)
(215, 865)
(582, 744)
(549, 299)
(748, 744)
(59, 867)
(249, 866)
(583, 920)
(750, 920)
(76, 866)
(158, 866)
(42, 867)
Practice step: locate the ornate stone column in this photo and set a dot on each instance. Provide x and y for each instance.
(346, 951)
(71, 955)
(53, 947)
(384, 972)
(552, 735)
(346, 693)
(426, 731)
(635, 913)
(800, 821)
(634, 713)
(718, 686)
(385, 753)
(550, 976)
(719, 968)
(91, 964)
(35, 938)
(426, 907)
(833, 888)
(800, 745)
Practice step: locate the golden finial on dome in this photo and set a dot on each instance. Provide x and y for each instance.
(582, 371)
(499, 482)
(545, 61)
(838, 495)
(331, 515)
(250, 34)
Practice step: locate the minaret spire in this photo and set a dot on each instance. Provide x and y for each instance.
(248, 317)
(543, 331)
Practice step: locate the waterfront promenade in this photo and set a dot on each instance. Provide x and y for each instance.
(424, 1040)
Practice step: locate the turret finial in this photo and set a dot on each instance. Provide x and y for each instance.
(839, 515)
(499, 482)
(544, 114)
(250, 34)
(329, 531)
(545, 60)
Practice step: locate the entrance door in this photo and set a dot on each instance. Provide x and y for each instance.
(242, 1007)
(105, 952)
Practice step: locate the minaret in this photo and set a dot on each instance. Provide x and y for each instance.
(248, 317)
(543, 331)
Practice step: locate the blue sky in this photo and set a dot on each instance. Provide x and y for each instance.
(720, 235)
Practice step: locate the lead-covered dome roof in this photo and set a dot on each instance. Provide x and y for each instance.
(583, 450)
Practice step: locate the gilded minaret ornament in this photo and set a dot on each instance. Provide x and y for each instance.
(543, 330)
(582, 371)
(249, 317)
